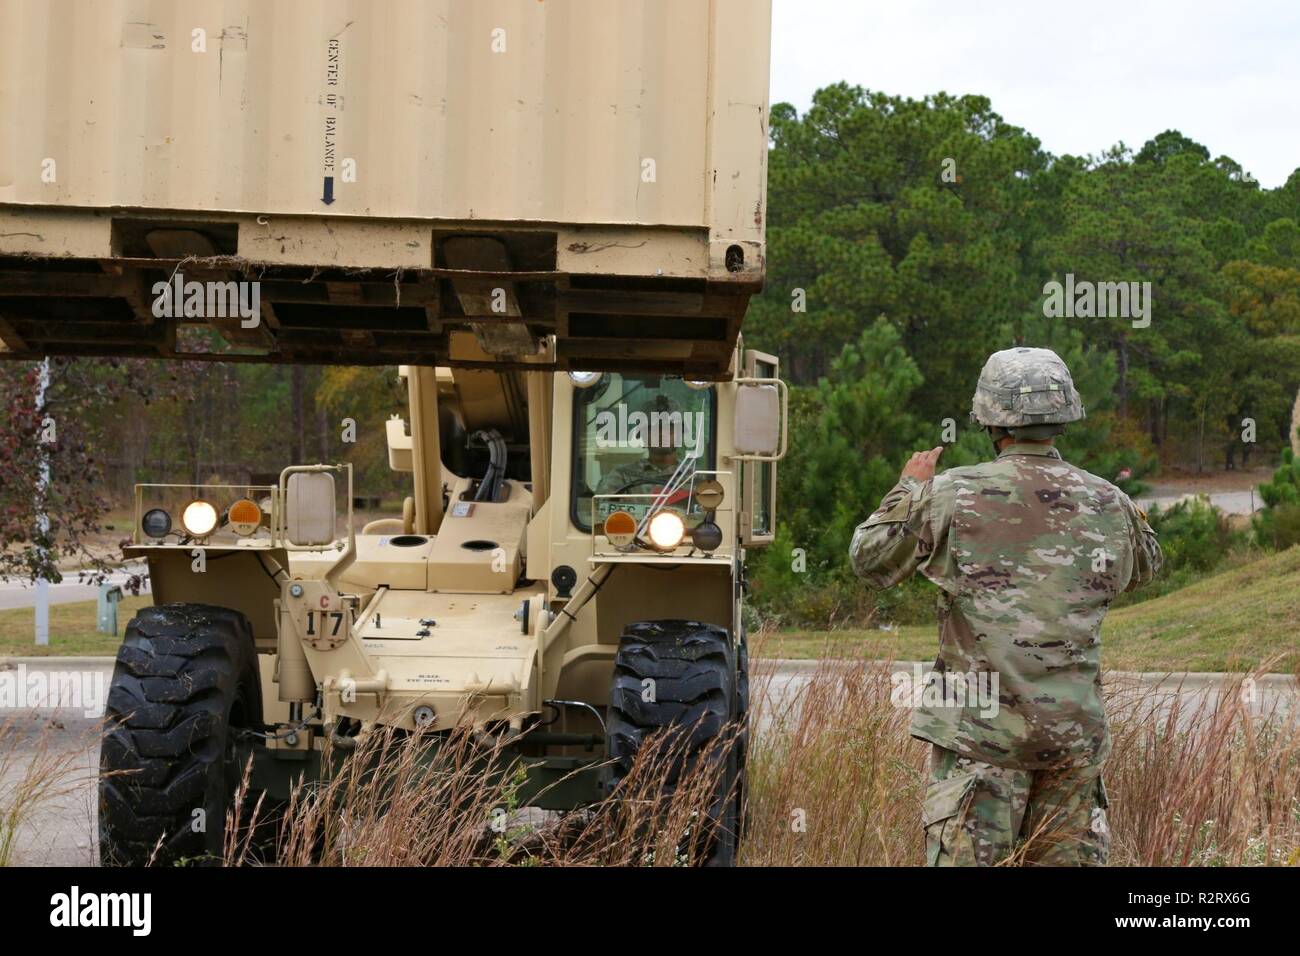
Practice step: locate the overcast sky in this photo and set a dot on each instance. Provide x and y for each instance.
(1080, 75)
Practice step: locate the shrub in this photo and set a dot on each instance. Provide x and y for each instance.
(1279, 527)
(1278, 524)
(826, 597)
(1194, 535)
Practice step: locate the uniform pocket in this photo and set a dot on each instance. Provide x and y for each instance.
(1096, 845)
(943, 813)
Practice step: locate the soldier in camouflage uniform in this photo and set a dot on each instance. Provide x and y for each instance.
(631, 476)
(1028, 552)
(659, 464)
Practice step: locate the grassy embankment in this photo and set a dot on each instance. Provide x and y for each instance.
(1226, 622)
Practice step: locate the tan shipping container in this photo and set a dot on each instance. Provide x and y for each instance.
(409, 180)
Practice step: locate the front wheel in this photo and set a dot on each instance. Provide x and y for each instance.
(185, 683)
(683, 677)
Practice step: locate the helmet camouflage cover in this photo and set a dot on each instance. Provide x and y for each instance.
(1023, 387)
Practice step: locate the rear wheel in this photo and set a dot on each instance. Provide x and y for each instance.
(186, 682)
(742, 733)
(695, 676)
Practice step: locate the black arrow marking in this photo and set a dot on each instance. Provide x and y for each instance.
(328, 196)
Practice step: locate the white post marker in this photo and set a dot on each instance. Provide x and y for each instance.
(42, 519)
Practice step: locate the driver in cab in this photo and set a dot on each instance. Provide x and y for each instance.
(652, 472)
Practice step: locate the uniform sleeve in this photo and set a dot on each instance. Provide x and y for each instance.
(1147, 556)
(897, 538)
(613, 480)
(606, 484)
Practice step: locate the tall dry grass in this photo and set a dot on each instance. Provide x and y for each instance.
(1194, 778)
(455, 799)
(834, 780)
(37, 769)
(1198, 779)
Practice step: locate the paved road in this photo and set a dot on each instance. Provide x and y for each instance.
(61, 831)
(23, 594)
(784, 682)
(1229, 502)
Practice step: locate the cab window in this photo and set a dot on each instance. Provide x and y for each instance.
(632, 432)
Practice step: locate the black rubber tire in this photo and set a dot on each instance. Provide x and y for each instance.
(186, 680)
(742, 735)
(697, 689)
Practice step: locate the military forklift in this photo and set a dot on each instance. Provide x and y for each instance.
(558, 260)
(574, 583)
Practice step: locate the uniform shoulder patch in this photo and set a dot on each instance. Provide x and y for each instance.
(900, 510)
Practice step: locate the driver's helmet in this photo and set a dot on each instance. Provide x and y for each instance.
(662, 403)
(659, 436)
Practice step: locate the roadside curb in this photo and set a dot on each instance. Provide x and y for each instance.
(1185, 678)
(48, 659)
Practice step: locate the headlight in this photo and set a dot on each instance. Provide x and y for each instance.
(666, 530)
(199, 519)
(585, 379)
(156, 523)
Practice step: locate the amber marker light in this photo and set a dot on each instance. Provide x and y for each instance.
(620, 529)
(245, 517)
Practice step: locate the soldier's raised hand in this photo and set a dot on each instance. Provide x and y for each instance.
(921, 465)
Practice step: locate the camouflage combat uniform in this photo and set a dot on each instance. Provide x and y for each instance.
(641, 472)
(1028, 552)
(627, 477)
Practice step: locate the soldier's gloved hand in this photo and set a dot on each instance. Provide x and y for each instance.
(921, 465)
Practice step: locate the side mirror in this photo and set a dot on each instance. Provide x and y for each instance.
(758, 426)
(400, 445)
(310, 508)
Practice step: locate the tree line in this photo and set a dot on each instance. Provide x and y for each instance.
(908, 239)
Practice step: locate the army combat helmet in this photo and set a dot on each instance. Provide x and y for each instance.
(1026, 393)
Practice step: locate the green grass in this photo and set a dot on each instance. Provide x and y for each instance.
(1226, 622)
(72, 630)
(1229, 622)
(911, 642)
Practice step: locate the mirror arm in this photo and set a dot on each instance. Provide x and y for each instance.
(349, 554)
